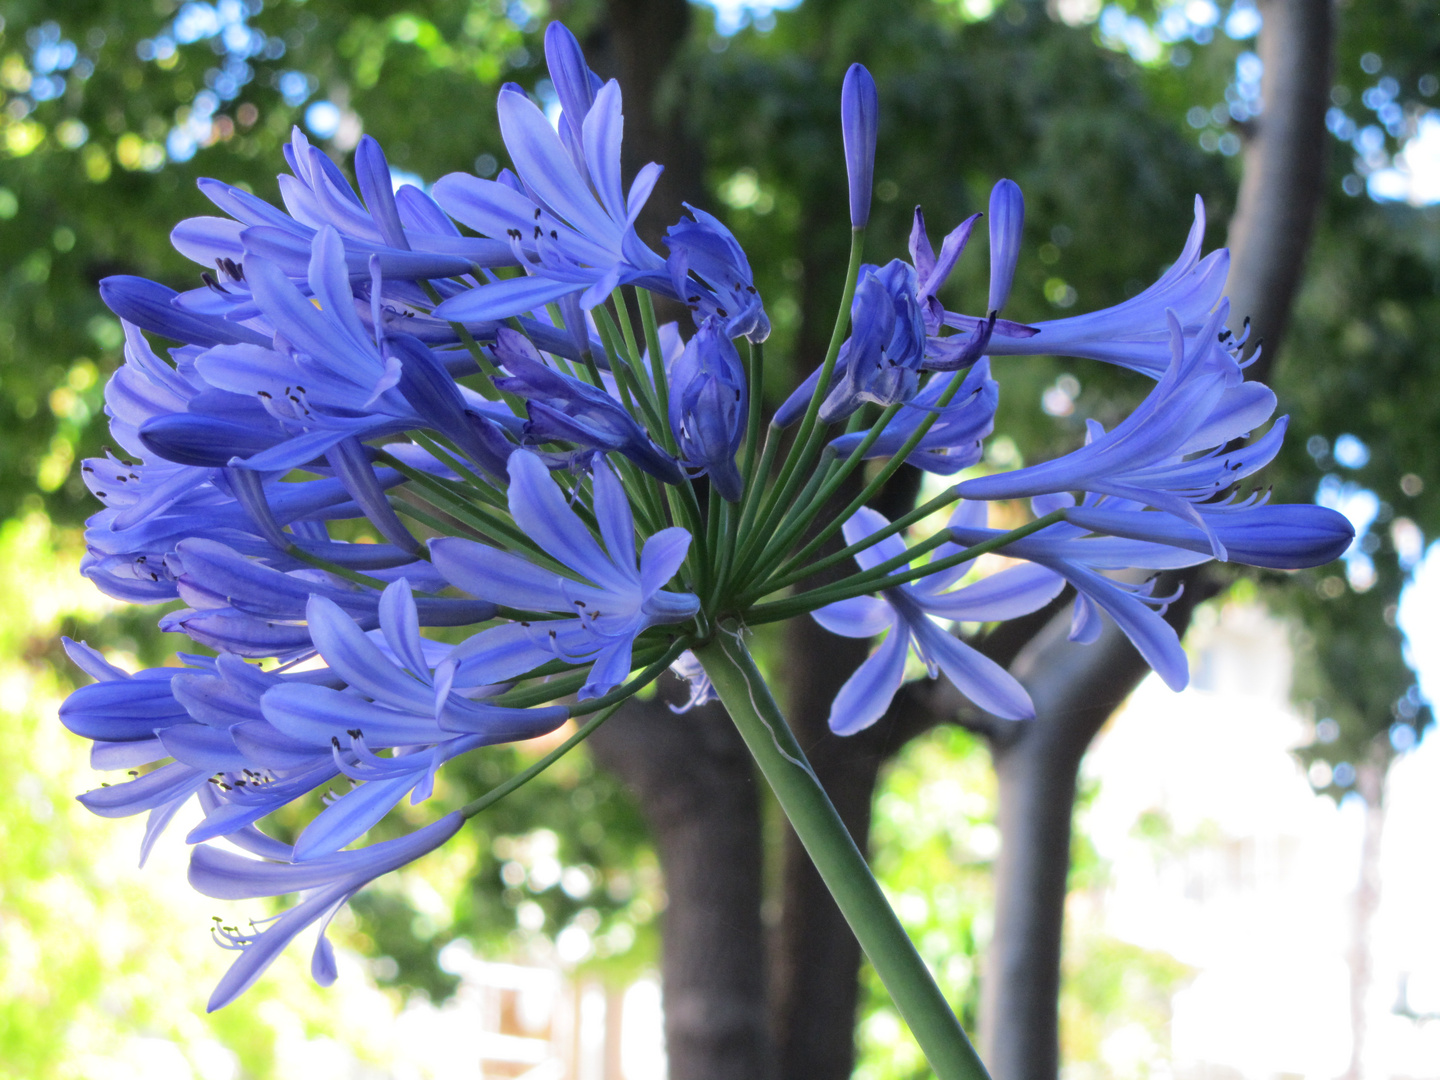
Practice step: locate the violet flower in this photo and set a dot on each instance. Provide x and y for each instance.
(909, 611)
(708, 407)
(1131, 334)
(610, 602)
(326, 884)
(859, 124)
(1200, 407)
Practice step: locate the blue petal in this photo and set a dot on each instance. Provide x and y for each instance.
(352, 815)
(356, 659)
(613, 514)
(602, 130)
(541, 511)
(857, 617)
(498, 576)
(864, 522)
(975, 675)
(661, 558)
(400, 624)
(317, 714)
(547, 169)
(1009, 594)
(498, 654)
(868, 693)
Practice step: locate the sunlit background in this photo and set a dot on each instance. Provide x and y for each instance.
(1227, 869)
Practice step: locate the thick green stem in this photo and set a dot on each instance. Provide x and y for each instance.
(840, 863)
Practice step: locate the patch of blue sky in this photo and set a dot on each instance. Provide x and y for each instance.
(732, 16)
(1360, 506)
(323, 119)
(1414, 175)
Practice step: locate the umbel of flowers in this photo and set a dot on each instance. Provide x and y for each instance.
(475, 375)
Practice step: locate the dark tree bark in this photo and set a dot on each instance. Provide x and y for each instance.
(1076, 688)
(1283, 185)
(695, 784)
(816, 959)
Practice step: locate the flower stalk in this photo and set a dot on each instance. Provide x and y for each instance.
(747, 697)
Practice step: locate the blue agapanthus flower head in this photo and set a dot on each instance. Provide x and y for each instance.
(421, 492)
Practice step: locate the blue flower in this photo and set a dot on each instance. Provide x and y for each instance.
(859, 124)
(1289, 537)
(565, 409)
(723, 285)
(567, 218)
(1198, 408)
(404, 230)
(708, 406)
(1132, 334)
(242, 606)
(955, 439)
(909, 612)
(896, 317)
(1079, 559)
(886, 344)
(610, 602)
(326, 884)
(396, 696)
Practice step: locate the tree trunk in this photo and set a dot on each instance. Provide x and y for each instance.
(1076, 688)
(695, 784)
(692, 776)
(1283, 184)
(816, 959)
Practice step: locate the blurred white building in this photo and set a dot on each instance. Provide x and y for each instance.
(1222, 856)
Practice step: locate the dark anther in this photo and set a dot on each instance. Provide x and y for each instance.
(539, 232)
(335, 741)
(537, 213)
(722, 313)
(751, 290)
(554, 235)
(354, 733)
(263, 393)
